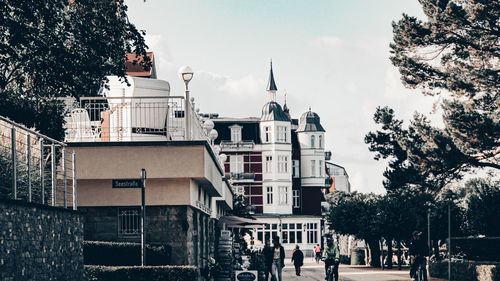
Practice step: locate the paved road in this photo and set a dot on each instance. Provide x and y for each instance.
(315, 272)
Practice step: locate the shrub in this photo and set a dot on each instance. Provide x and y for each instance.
(466, 271)
(124, 253)
(477, 249)
(137, 273)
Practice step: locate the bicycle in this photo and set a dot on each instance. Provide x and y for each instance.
(421, 272)
(330, 273)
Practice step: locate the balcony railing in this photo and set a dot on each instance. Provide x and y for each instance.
(111, 119)
(237, 146)
(241, 176)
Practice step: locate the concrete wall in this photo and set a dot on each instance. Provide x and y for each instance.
(39, 242)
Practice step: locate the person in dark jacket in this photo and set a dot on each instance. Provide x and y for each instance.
(418, 251)
(297, 259)
(268, 259)
(278, 259)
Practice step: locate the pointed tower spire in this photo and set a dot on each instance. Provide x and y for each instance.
(271, 85)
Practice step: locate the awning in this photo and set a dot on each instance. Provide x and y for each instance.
(240, 222)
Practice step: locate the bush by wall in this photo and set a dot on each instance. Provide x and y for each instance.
(137, 273)
(466, 271)
(124, 253)
(478, 249)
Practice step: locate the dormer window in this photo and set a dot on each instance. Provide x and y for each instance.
(235, 133)
(313, 141)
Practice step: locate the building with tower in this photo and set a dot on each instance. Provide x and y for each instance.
(279, 164)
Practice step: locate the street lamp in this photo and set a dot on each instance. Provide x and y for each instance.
(186, 74)
(449, 198)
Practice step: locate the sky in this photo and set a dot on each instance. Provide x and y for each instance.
(331, 55)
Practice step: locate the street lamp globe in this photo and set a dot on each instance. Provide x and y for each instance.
(186, 74)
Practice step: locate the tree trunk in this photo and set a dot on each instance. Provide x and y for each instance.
(375, 252)
(388, 242)
(400, 261)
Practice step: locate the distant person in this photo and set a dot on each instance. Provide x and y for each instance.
(317, 253)
(278, 259)
(418, 251)
(297, 259)
(268, 259)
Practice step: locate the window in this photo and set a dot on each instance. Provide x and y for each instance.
(267, 233)
(312, 233)
(282, 164)
(291, 233)
(269, 164)
(269, 195)
(321, 168)
(129, 222)
(313, 141)
(236, 164)
(295, 167)
(296, 198)
(320, 141)
(235, 133)
(313, 168)
(283, 195)
(267, 131)
(282, 134)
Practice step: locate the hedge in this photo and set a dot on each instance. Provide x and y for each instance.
(137, 273)
(466, 270)
(124, 253)
(477, 249)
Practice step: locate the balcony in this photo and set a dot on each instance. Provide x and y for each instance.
(241, 177)
(229, 146)
(117, 119)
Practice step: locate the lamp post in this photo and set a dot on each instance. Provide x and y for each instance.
(186, 74)
(449, 197)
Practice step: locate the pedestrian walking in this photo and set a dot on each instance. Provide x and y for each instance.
(278, 259)
(268, 259)
(297, 259)
(317, 253)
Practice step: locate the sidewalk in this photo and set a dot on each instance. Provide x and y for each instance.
(363, 270)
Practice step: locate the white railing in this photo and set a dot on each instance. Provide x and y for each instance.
(108, 119)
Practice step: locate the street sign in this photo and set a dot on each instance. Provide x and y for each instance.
(127, 183)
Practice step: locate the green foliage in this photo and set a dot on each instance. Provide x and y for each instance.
(137, 273)
(452, 53)
(477, 248)
(483, 212)
(52, 49)
(124, 253)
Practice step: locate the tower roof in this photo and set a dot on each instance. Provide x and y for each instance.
(272, 111)
(271, 85)
(310, 122)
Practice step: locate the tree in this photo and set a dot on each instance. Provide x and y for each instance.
(358, 214)
(51, 49)
(454, 54)
(482, 212)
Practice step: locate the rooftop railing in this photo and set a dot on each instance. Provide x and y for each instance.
(110, 119)
(35, 168)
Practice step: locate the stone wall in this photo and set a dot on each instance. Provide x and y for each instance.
(183, 228)
(39, 242)
(466, 270)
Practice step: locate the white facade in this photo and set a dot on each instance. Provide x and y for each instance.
(304, 231)
(312, 158)
(277, 167)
